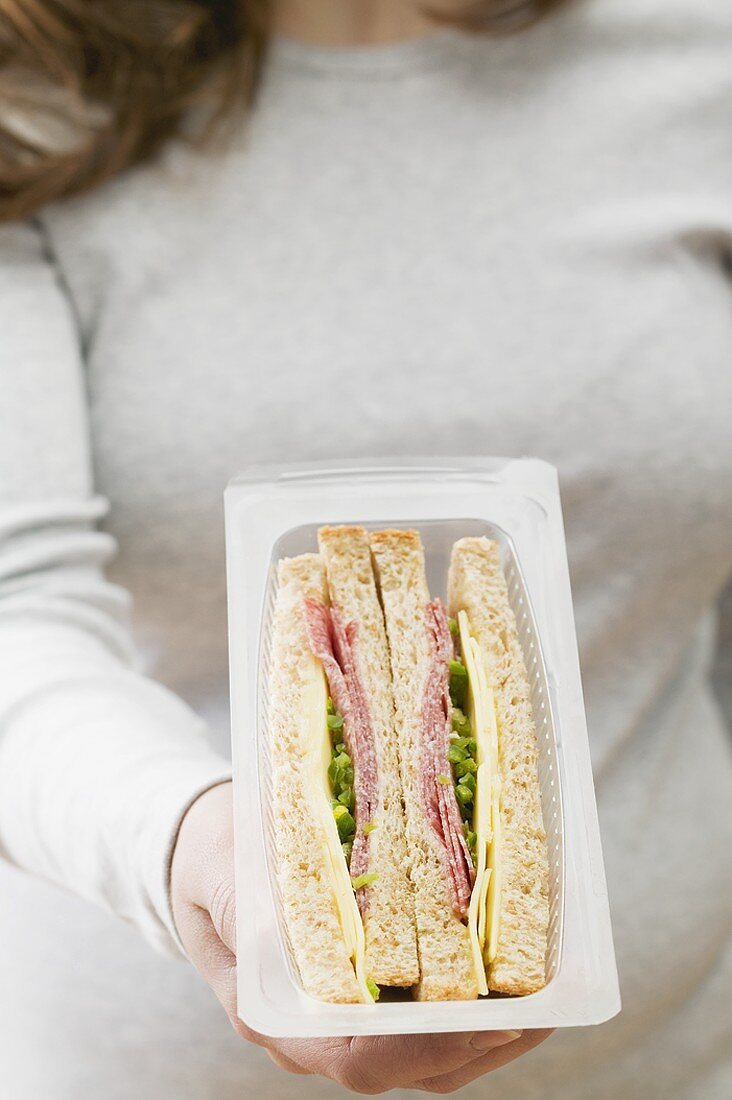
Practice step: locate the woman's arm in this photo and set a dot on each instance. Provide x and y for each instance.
(98, 764)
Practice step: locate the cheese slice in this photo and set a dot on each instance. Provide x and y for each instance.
(319, 753)
(484, 906)
(493, 905)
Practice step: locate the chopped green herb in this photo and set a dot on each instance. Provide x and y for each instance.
(454, 628)
(464, 766)
(364, 880)
(373, 989)
(458, 683)
(346, 798)
(457, 668)
(468, 781)
(369, 827)
(460, 722)
(462, 749)
(340, 772)
(340, 775)
(471, 839)
(455, 754)
(463, 794)
(444, 779)
(345, 822)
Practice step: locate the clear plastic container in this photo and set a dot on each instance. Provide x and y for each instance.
(275, 512)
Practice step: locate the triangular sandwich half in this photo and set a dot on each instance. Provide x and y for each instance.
(321, 915)
(387, 904)
(441, 868)
(510, 910)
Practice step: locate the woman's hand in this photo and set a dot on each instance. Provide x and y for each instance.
(202, 885)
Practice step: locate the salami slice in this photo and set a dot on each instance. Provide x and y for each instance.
(438, 795)
(334, 643)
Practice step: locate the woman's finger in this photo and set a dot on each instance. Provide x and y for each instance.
(212, 958)
(287, 1063)
(222, 910)
(494, 1059)
(373, 1064)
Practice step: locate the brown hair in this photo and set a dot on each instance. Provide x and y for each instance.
(89, 87)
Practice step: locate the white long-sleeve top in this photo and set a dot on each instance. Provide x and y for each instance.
(98, 762)
(448, 246)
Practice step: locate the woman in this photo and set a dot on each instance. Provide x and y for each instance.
(419, 238)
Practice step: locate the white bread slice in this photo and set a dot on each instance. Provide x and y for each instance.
(445, 958)
(477, 585)
(308, 899)
(391, 938)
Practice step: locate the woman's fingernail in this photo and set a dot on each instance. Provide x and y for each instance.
(486, 1040)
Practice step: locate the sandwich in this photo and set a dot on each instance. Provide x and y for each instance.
(408, 829)
(510, 902)
(441, 866)
(338, 816)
